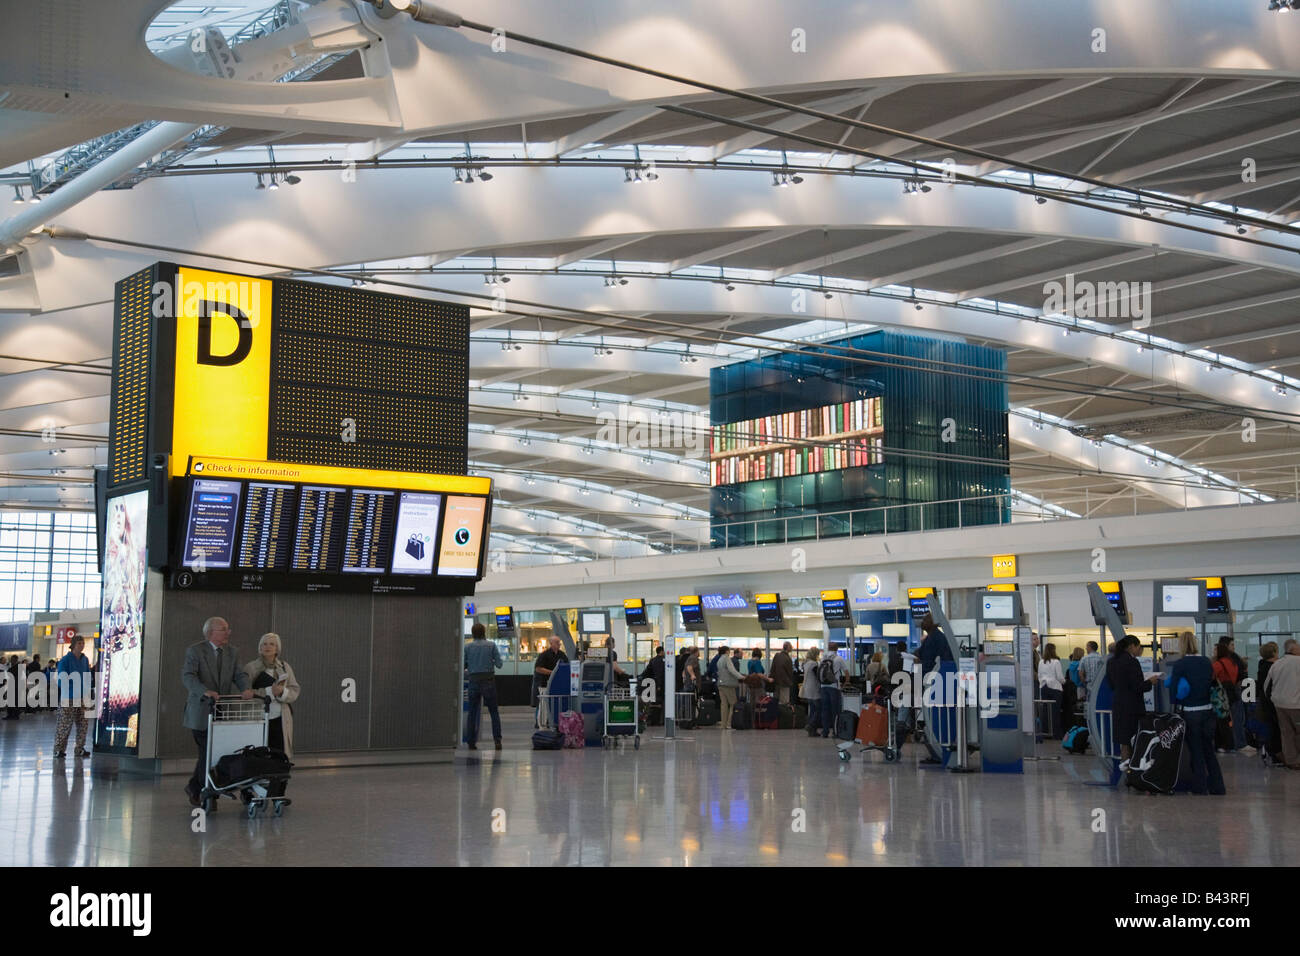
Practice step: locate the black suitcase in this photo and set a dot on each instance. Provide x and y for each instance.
(742, 718)
(785, 717)
(251, 763)
(846, 725)
(709, 688)
(706, 714)
(654, 715)
(1157, 753)
(548, 740)
(801, 715)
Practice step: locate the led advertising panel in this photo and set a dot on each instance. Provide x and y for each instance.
(461, 549)
(417, 527)
(122, 623)
(844, 435)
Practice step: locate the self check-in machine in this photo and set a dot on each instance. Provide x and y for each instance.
(1183, 599)
(1001, 743)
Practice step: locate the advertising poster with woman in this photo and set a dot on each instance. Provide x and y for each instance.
(122, 622)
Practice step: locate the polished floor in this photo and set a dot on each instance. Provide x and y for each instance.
(715, 798)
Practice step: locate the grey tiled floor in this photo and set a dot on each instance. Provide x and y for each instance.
(718, 798)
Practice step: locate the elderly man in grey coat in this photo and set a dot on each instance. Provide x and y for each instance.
(211, 670)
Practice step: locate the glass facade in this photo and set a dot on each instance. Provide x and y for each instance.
(922, 451)
(47, 562)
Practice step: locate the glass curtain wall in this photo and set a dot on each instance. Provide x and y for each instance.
(47, 562)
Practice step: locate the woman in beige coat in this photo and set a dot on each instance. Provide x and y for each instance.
(283, 691)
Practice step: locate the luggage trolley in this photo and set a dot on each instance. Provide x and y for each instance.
(871, 734)
(621, 718)
(233, 724)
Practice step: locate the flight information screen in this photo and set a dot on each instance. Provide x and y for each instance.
(276, 535)
(370, 532)
(269, 515)
(318, 537)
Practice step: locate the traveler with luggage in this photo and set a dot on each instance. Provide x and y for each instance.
(1230, 671)
(810, 691)
(831, 672)
(271, 676)
(877, 670)
(543, 668)
(1128, 684)
(1265, 712)
(210, 670)
(782, 676)
(1190, 679)
(482, 661)
(1051, 687)
(755, 666)
(729, 680)
(934, 646)
(1283, 689)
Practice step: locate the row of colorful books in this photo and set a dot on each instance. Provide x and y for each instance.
(795, 461)
(860, 415)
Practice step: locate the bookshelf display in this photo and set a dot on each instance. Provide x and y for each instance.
(811, 440)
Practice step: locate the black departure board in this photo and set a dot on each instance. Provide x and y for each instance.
(270, 514)
(371, 516)
(322, 526)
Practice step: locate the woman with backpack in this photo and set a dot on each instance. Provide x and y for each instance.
(1229, 670)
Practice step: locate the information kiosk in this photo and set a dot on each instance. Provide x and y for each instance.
(1183, 599)
(1001, 743)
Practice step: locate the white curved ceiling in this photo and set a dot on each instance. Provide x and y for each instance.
(1203, 110)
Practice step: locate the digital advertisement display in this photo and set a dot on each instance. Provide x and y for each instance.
(122, 622)
(775, 446)
(269, 526)
(417, 527)
(462, 536)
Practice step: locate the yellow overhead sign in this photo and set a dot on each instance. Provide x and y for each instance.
(1004, 565)
(765, 598)
(505, 610)
(332, 475)
(835, 594)
(919, 592)
(1001, 587)
(222, 389)
(688, 600)
(1211, 582)
(633, 603)
(1108, 587)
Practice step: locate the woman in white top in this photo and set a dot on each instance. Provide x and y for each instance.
(1051, 680)
(281, 686)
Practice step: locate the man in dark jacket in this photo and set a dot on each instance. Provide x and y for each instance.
(935, 645)
(656, 671)
(782, 675)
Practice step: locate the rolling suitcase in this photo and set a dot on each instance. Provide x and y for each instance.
(742, 718)
(1157, 753)
(801, 715)
(1076, 740)
(846, 725)
(767, 713)
(873, 725)
(707, 714)
(784, 717)
(548, 740)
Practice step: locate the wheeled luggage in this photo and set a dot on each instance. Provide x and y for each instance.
(846, 725)
(707, 714)
(784, 717)
(251, 763)
(873, 725)
(237, 761)
(548, 740)
(574, 730)
(1157, 753)
(742, 717)
(767, 713)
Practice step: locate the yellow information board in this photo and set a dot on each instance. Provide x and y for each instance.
(235, 468)
(1004, 565)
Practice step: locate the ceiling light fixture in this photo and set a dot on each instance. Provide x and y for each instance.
(273, 184)
(18, 194)
(260, 184)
